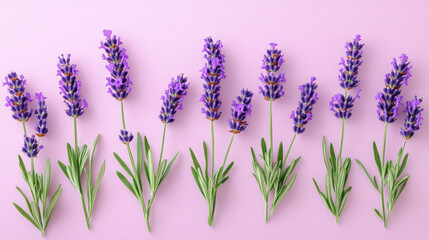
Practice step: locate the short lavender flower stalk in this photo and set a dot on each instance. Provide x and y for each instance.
(31, 146)
(18, 99)
(413, 119)
(241, 109)
(389, 100)
(118, 84)
(212, 73)
(172, 98)
(272, 87)
(350, 65)
(303, 113)
(41, 115)
(70, 87)
(125, 137)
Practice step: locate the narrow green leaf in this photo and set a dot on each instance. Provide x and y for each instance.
(378, 214)
(51, 206)
(123, 164)
(125, 181)
(139, 156)
(194, 159)
(25, 214)
(377, 158)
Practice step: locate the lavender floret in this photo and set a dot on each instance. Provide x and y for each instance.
(173, 97)
(31, 146)
(70, 87)
(342, 106)
(18, 99)
(272, 87)
(303, 113)
(350, 65)
(125, 136)
(212, 73)
(241, 109)
(413, 119)
(41, 115)
(118, 84)
(389, 100)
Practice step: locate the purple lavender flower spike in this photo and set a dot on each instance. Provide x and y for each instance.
(41, 115)
(31, 146)
(341, 106)
(350, 65)
(272, 87)
(70, 87)
(414, 118)
(212, 73)
(241, 109)
(303, 113)
(126, 137)
(118, 84)
(18, 99)
(173, 97)
(389, 100)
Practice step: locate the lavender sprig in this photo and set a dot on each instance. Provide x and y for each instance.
(39, 206)
(341, 104)
(275, 176)
(207, 184)
(77, 157)
(391, 183)
(212, 73)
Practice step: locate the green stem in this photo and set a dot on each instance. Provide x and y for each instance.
(266, 210)
(403, 147)
(290, 147)
(25, 130)
(271, 131)
(162, 144)
(85, 212)
(123, 115)
(342, 138)
(342, 129)
(75, 134)
(382, 175)
(213, 147)
(227, 151)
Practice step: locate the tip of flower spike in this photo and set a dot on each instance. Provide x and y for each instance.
(273, 45)
(39, 97)
(403, 58)
(357, 93)
(312, 79)
(107, 33)
(358, 37)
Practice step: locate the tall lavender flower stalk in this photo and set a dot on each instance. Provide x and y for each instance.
(39, 206)
(389, 101)
(341, 104)
(212, 73)
(77, 157)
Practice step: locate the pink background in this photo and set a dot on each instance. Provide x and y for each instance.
(165, 38)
